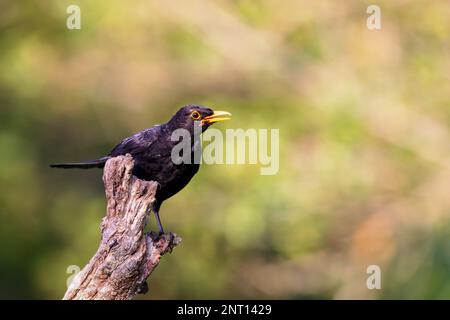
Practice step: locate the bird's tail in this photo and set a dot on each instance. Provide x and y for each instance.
(98, 163)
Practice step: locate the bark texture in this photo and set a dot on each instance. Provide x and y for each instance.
(126, 255)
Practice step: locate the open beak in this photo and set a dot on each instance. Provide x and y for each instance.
(217, 116)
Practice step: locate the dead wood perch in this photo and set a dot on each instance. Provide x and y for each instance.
(126, 255)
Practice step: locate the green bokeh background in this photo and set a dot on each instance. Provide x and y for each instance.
(364, 119)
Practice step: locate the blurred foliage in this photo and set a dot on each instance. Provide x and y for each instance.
(364, 120)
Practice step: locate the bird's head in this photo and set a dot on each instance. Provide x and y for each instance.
(191, 115)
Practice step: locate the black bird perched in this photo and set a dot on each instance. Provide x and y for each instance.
(151, 150)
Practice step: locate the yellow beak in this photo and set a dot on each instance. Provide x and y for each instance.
(217, 116)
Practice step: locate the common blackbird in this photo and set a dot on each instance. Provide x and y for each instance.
(151, 150)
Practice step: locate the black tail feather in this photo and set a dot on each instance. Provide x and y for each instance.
(98, 163)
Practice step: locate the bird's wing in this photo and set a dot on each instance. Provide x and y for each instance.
(138, 143)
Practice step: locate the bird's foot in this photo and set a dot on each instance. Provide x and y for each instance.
(169, 238)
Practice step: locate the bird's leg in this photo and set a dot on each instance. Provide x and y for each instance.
(161, 230)
(156, 207)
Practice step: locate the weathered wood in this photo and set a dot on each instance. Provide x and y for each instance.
(126, 255)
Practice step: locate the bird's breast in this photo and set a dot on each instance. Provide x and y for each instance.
(171, 177)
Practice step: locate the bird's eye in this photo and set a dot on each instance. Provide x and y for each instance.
(195, 115)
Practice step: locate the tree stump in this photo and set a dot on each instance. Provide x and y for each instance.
(126, 255)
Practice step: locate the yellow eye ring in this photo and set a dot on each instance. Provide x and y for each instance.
(195, 115)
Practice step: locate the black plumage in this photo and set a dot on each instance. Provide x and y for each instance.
(151, 150)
